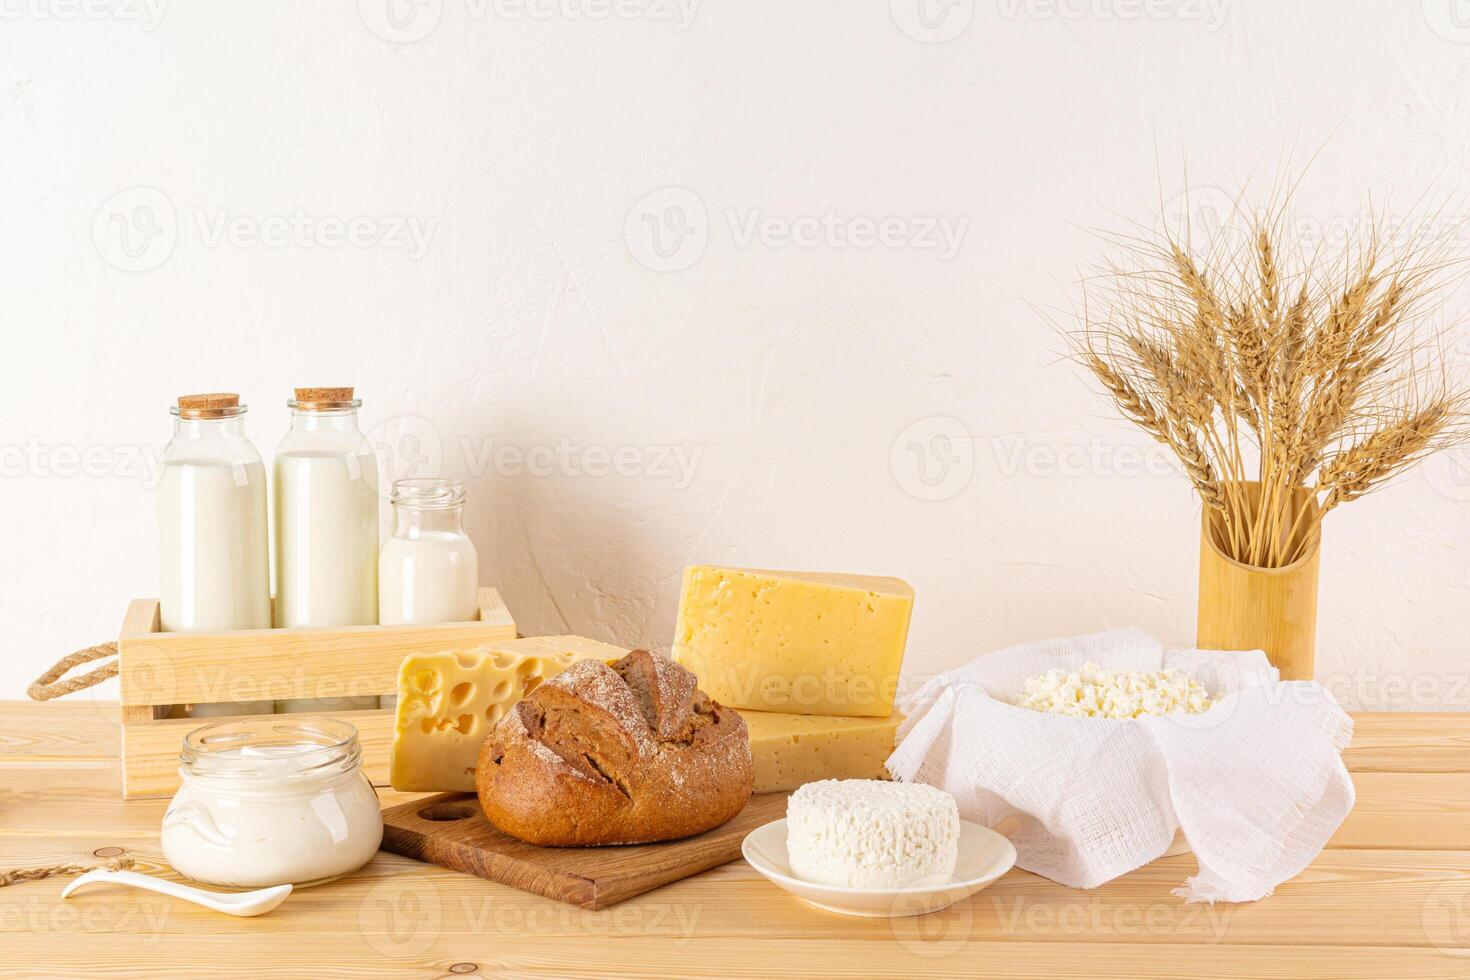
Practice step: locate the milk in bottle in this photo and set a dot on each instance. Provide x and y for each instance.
(214, 569)
(326, 523)
(428, 571)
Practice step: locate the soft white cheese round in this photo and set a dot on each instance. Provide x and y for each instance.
(867, 833)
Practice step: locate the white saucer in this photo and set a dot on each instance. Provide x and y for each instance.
(984, 857)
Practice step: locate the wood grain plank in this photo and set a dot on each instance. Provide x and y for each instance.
(450, 830)
(250, 665)
(77, 728)
(1408, 810)
(1409, 742)
(493, 611)
(141, 619)
(1390, 898)
(1394, 810)
(358, 957)
(1371, 898)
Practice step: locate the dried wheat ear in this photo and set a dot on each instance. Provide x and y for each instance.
(1285, 383)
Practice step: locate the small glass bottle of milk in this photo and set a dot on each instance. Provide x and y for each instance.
(326, 521)
(214, 564)
(428, 571)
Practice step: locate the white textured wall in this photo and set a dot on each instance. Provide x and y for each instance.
(797, 243)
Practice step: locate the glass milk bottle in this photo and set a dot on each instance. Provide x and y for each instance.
(214, 565)
(428, 571)
(326, 520)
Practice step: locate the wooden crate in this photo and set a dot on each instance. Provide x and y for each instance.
(159, 670)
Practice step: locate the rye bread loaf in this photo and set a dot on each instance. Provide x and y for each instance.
(622, 754)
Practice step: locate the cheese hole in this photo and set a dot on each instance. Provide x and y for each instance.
(495, 712)
(461, 693)
(469, 661)
(529, 667)
(464, 724)
(502, 659)
(501, 690)
(426, 681)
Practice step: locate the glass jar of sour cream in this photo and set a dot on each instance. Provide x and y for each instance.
(269, 800)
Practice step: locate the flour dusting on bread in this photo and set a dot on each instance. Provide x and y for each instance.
(621, 754)
(600, 686)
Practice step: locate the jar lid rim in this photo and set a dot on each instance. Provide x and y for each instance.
(428, 492)
(297, 405)
(309, 744)
(207, 414)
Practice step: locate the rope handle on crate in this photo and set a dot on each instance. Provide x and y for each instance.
(36, 874)
(50, 685)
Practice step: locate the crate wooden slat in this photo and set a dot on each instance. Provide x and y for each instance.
(248, 665)
(159, 670)
(141, 619)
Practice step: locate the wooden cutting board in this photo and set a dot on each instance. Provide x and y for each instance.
(451, 831)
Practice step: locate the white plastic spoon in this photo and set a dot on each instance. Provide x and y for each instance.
(231, 903)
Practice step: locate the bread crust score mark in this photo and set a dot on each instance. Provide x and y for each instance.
(624, 754)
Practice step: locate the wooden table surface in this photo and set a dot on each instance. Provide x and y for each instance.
(1390, 897)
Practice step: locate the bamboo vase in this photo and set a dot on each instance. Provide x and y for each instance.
(1242, 607)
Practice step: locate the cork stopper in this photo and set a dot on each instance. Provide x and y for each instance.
(322, 399)
(212, 405)
(324, 394)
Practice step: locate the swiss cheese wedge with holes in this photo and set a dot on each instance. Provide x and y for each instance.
(448, 702)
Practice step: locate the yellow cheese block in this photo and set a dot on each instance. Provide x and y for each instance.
(803, 642)
(790, 750)
(448, 702)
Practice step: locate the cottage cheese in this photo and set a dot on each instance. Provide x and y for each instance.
(1095, 692)
(867, 833)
